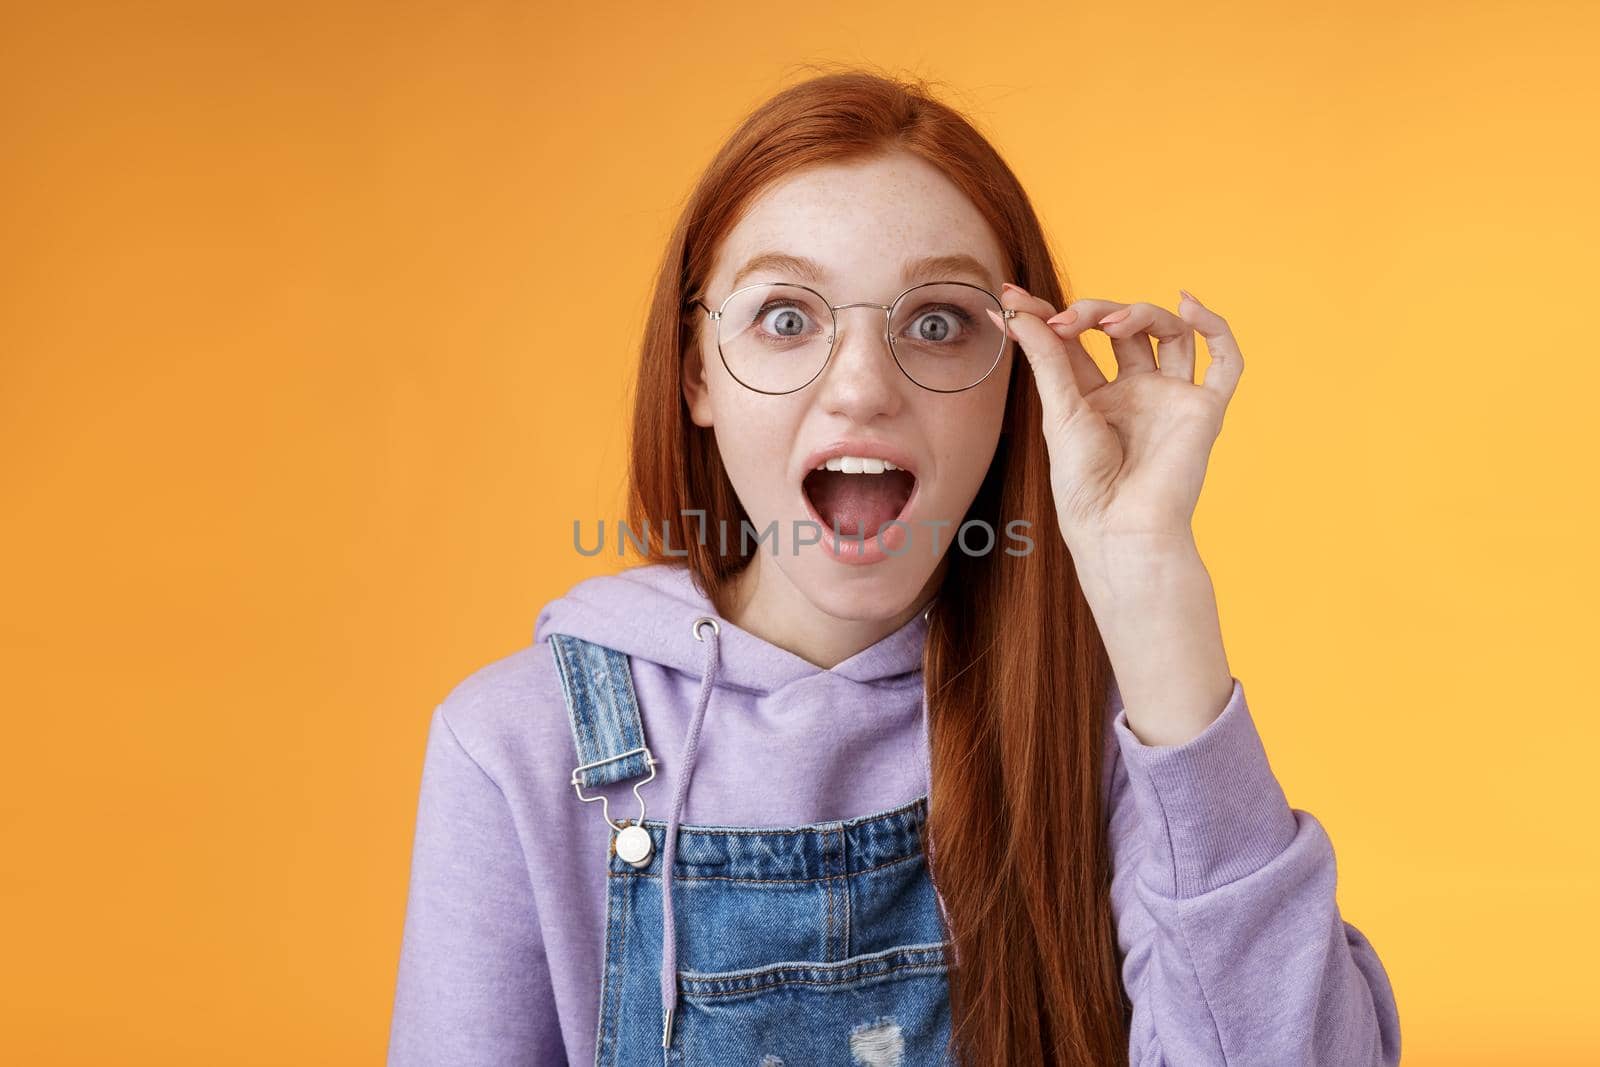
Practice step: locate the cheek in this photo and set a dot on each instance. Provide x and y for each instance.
(754, 443)
(970, 431)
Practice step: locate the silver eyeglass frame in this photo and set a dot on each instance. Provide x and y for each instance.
(833, 337)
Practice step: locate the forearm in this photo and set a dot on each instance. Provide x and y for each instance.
(1154, 604)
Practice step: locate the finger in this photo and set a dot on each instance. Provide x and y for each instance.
(1025, 301)
(1174, 338)
(1052, 370)
(1227, 363)
(1133, 351)
(1085, 371)
(1088, 373)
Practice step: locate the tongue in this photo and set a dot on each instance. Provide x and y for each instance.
(857, 504)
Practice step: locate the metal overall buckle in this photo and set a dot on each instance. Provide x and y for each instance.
(634, 843)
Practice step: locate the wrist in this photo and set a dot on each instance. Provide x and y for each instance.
(1123, 566)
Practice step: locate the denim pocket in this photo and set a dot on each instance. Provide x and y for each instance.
(880, 1008)
(813, 945)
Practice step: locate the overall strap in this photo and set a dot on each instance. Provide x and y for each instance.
(603, 711)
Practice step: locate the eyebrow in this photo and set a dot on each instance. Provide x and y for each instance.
(924, 268)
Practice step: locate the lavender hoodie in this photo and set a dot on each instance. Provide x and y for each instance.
(1234, 948)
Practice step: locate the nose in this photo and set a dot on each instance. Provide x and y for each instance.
(862, 379)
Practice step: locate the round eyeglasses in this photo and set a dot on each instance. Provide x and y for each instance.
(776, 337)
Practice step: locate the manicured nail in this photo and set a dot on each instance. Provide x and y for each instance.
(1018, 288)
(1063, 318)
(998, 321)
(1191, 296)
(1114, 317)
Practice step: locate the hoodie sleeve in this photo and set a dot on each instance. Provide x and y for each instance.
(474, 986)
(1234, 951)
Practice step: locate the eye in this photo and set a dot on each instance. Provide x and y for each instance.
(782, 319)
(942, 324)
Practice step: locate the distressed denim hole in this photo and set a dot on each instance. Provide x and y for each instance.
(878, 1043)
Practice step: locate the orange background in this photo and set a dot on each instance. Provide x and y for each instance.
(318, 325)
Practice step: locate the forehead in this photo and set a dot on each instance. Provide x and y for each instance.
(862, 223)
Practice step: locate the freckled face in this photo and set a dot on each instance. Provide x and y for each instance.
(861, 222)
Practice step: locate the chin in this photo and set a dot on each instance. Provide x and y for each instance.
(859, 592)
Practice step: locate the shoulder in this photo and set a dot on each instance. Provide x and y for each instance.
(505, 699)
(510, 713)
(510, 716)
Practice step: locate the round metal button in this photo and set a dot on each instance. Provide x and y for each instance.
(634, 845)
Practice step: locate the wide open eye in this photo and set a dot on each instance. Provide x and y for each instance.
(943, 324)
(775, 337)
(943, 336)
(784, 320)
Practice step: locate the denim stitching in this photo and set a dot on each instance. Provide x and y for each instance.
(827, 889)
(921, 968)
(844, 891)
(861, 822)
(919, 954)
(929, 959)
(622, 941)
(680, 877)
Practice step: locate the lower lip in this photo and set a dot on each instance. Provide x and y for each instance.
(859, 553)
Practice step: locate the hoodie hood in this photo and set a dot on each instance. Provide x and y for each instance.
(648, 612)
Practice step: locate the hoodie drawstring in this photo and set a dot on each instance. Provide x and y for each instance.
(669, 853)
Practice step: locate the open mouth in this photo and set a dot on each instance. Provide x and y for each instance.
(858, 499)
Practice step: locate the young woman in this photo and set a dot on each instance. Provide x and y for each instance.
(924, 624)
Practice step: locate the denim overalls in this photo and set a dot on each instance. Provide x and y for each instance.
(819, 945)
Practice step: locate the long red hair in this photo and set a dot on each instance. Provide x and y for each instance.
(1015, 669)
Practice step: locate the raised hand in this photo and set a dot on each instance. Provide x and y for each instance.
(1127, 456)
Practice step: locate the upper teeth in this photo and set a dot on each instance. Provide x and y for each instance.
(858, 465)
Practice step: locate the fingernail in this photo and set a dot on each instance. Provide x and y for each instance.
(1115, 316)
(1063, 318)
(1018, 288)
(1191, 296)
(998, 321)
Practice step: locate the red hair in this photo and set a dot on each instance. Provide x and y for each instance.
(1015, 669)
